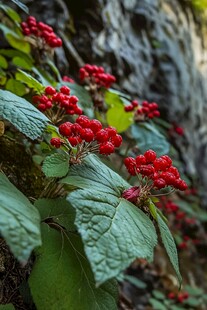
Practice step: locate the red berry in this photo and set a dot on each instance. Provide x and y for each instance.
(48, 104)
(128, 108)
(95, 125)
(145, 104)
(116, 140)
(168, 177)
(76, 129)
(171, 295)
(111, 131)
(167, 158)
(174, 170)
(73, 140)
(145, 110)
(159, 183)
(73, 99)
(181, 184)
(106, 148)
(160, 164)
(150, 115)
(65, 90)
(49, 90)
(156, 113)
(140, 160)
(87, 135)
(42, 107)
(150, 156)
(56, 142)
(65, 129)
(35, 99)
(83, 121)
(78, 110)
(135, 103)
(129, 161)
(102, 136)
(146, 170)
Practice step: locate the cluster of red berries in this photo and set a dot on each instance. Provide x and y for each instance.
(91, 134)
(67, 104)
(180, 297)
(96, 75)
(40, 30)
(157, 169)
(144, 110)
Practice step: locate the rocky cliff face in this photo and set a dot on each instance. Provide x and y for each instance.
(157, 51)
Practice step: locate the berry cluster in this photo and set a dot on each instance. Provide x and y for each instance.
(89, 136)
(144, 110)
(159, 170)
(60, 101)
(180, 297)
(92, 74)
(38, 29)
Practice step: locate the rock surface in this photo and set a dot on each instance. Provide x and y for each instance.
(157, 52)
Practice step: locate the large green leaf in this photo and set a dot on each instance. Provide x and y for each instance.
(16, 87)
(23, 115)
(85, 100)
(59, 210)
(169, 244)
(118, 118)
(11, 13)
(148, 137)
(22, 63)
(56, 165)
(29, 80)
(113, 230)
(3, 62)
(62, 279)
(19, 220)
(15, 38)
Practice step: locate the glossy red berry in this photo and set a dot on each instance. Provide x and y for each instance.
(140, 160)
(111, 131)
(106, 148)
(160, 164)
(95, 125)
(129, 161)
(116, 140)
(87, 135)
(56, 142)
(102, 136)
(150, 156)
(65, 129)
(73, 140)
(159, 183)
(83, 121)
(65, 90)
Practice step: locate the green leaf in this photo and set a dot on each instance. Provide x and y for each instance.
(7, 307)
(59, 210)
(136, 282)
(15, 38)
(148, 137)
(193, 301)
(22, 114)
(113, 230)
(19, 220)
(21, 6)
(62, 279)
(3, 62)
(157, 305)
(170, 246)
(85, 100)
(194, 291)
(56, 165)
(112, 98)
(152, 208)
(11, 53)
(29, 80)
(22, 63)
(118, 118)
(158, 294)
(16, 87)
(11, 13)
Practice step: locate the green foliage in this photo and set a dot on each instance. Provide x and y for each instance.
(57, 211)
(24, 116)
(148, 137)
(11, 13)
(169, 244)
(114, 232)
(56, 165)
(3, 62)
(16, 87)
(69, 284)
(21, 5)
(29, 80)
(199, 4)
(22, 63)
(7, 307)
(15, 39)
(19, 220)
(116, 116)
